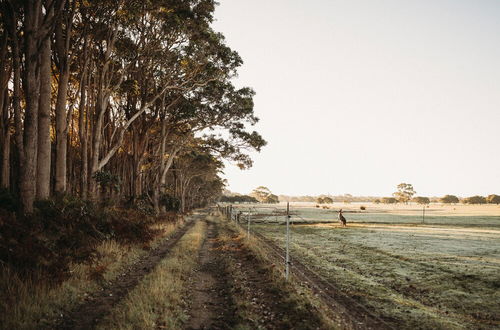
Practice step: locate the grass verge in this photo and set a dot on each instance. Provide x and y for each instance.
(157, 302)
(297, 307)
(28, 303)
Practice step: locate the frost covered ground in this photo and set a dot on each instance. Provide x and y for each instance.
(441, 274)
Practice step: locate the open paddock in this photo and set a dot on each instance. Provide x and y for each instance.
(441, 274)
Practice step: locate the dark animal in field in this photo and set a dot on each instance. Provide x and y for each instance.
(342, 220)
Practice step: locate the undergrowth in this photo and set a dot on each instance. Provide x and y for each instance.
(67, 230)
(55, 258)
(157, 302)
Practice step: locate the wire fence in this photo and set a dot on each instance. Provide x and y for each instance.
(246, 217)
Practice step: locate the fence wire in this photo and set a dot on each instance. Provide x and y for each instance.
(320, 286)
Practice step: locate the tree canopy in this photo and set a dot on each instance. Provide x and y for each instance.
(422, 200)
(475, 200)
(136, 89)
(264, 195)
(449, 199)
(404, 193)
(389, 200)
(493, 199)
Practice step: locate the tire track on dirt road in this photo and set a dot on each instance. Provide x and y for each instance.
(211, 303)
(233, 288)
(88, 314)
(349, 312)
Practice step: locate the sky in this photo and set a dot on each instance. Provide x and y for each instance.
(358, 96)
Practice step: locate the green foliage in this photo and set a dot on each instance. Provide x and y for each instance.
(377, 201)
(144, 205)
(327, 200)
(171, 203)
(324, 200)
(405, 192)
(475, 200)
(422, 200)
(65, 230)
(449, 199)
(493, 199)
(271, 199)
(260, 193)
(389, 200)
(264, 195)
(107, 180)
(238, 199)
(9, 201)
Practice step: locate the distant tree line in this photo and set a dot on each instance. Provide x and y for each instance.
(346, 198)
(324, 200)
(404, 194)
(238, 199)
(447, 199)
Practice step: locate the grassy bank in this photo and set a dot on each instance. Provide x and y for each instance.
(296, 305)
(157, 302)
(35, 301)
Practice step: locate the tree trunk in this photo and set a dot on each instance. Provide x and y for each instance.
(16, 99)
(4, 114)
(5, 134)
(31, 84)
(44, 146)
(96, 141)
(5, 183)
(82, 131)
(63, 32)
(61, 132)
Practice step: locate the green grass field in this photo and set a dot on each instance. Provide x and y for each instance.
(442, 274)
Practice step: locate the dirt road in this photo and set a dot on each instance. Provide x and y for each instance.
(231, 287)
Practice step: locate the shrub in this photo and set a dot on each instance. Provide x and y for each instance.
(389, 200)
(362, 208)
(238, 199)
(9, 201)
(64, 230)
(171, 203)
(493, 199)
(475, 200)
(107, 180)
(422, 200)
(449, 199)
(144, 205)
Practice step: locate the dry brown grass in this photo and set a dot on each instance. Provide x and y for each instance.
(29, 304)
(157, 302)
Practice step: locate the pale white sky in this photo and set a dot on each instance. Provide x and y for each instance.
(357, 96)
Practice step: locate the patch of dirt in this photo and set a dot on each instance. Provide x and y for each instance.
(98, 305)
(267, 304)
(211, 303)
(232, 288)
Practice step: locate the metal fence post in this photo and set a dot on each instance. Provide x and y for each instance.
(287, 259)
